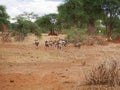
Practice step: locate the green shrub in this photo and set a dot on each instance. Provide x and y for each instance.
(76, 35)
(25, 27)
(115, 34)
(116, 29)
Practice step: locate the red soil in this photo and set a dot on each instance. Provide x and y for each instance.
(116, 40)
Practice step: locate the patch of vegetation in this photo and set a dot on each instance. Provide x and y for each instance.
(75, 35)
(105, 73)
(116, 30)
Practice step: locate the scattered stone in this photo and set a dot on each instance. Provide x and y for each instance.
(12, 81)
(66, 69)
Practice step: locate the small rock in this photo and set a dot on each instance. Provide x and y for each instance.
(11, 81)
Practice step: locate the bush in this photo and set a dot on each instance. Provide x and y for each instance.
(115, 34)
(104, 74)
(99, 39)
(116, 30)
(19, 36)
(75, 35)
(25, 27)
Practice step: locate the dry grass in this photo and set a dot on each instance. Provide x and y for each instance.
(105, 73)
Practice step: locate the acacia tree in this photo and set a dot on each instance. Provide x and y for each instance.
(92, 11)
(3, 17)
(79, 11)
(45, 22)
(27, 16)
(71, 12)
(25, 25)
(111, 10)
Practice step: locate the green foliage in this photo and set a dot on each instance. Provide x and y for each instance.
(76, 35)
(80, 11)
(100, 28)
(71, 11)
(27, 16)
(3, 16)
(24, 24)
(92, 9)
(45, 24)
(116, 30)
(25, 27)
(111, 9)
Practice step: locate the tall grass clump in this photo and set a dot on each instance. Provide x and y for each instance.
(105, 73)
(76, 35)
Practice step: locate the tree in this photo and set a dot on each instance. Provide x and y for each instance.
(71, 12)
(3, 18)
(92, 11)
(24, 25)
(116, 30)
(81, 11)
(27, 16)
(48, 22)
(111, 10)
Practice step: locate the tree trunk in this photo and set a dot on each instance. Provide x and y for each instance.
(109, 31)
(91, 27)
(4, 28)
(52, 32)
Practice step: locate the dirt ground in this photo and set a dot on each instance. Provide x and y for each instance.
(26, 67)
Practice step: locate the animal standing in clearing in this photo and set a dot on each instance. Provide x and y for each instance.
(36, 43)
